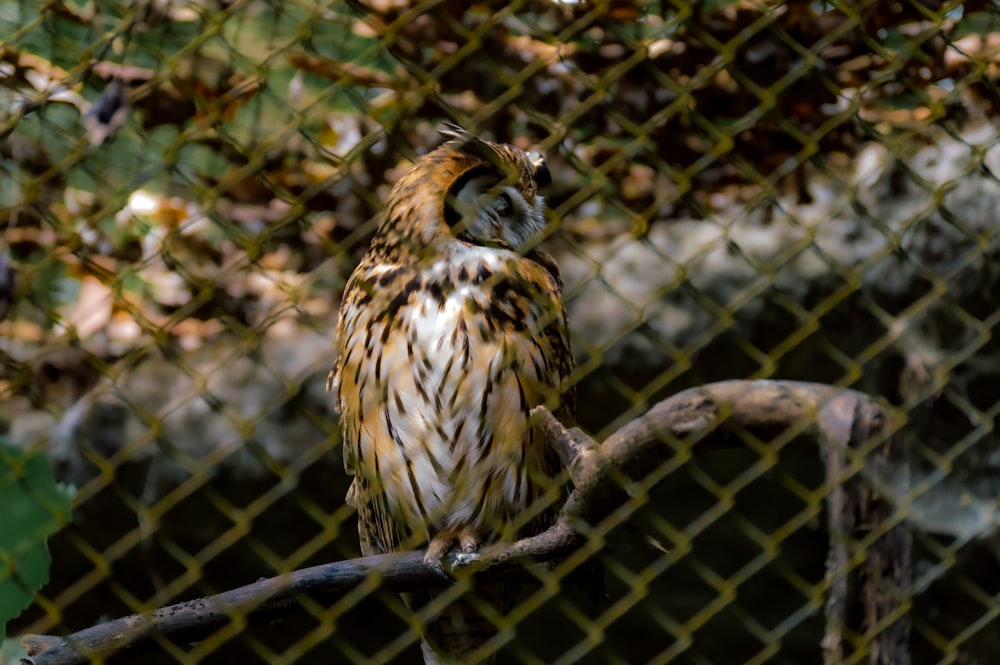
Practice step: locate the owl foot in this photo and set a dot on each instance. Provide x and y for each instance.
(442, 543)
(438, 547)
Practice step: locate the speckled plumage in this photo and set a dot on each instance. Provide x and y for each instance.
(452, 328)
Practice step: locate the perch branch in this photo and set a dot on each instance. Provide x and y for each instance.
(603, 476)
(277, 597)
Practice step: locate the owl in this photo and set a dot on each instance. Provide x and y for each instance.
(452, 328)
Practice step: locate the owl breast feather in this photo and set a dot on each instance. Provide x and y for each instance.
(445, 379)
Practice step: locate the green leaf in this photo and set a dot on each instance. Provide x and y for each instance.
(32, 508)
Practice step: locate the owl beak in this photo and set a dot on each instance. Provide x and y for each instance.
(542, 175)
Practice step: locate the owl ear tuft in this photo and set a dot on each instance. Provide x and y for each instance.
(453, 132)
(472, 145)
(466, 142)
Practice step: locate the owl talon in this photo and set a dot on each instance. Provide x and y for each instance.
(433, 564)
(468, 541)
(436, 549)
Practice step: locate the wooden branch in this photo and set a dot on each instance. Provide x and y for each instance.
(683, 421)
(867, 599)
(604, 477)
(277, 597)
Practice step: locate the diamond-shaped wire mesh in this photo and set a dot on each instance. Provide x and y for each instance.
(741, 190)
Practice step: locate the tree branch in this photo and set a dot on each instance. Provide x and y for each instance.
(604, 477)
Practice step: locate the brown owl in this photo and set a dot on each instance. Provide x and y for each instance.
(452, 329)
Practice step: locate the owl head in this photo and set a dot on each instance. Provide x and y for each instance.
(496, 199)
(469, 190)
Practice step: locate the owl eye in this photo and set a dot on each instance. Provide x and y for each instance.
(542, 175)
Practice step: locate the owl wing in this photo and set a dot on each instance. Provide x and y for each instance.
(553, 339)
(378, 532)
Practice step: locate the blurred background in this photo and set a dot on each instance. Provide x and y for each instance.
(741, 190)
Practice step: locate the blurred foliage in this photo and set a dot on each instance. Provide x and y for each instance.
(34, 508)
(151, 146)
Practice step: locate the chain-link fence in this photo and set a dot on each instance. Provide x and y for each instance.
(740, 190)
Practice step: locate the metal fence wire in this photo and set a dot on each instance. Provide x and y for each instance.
(740, 190)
